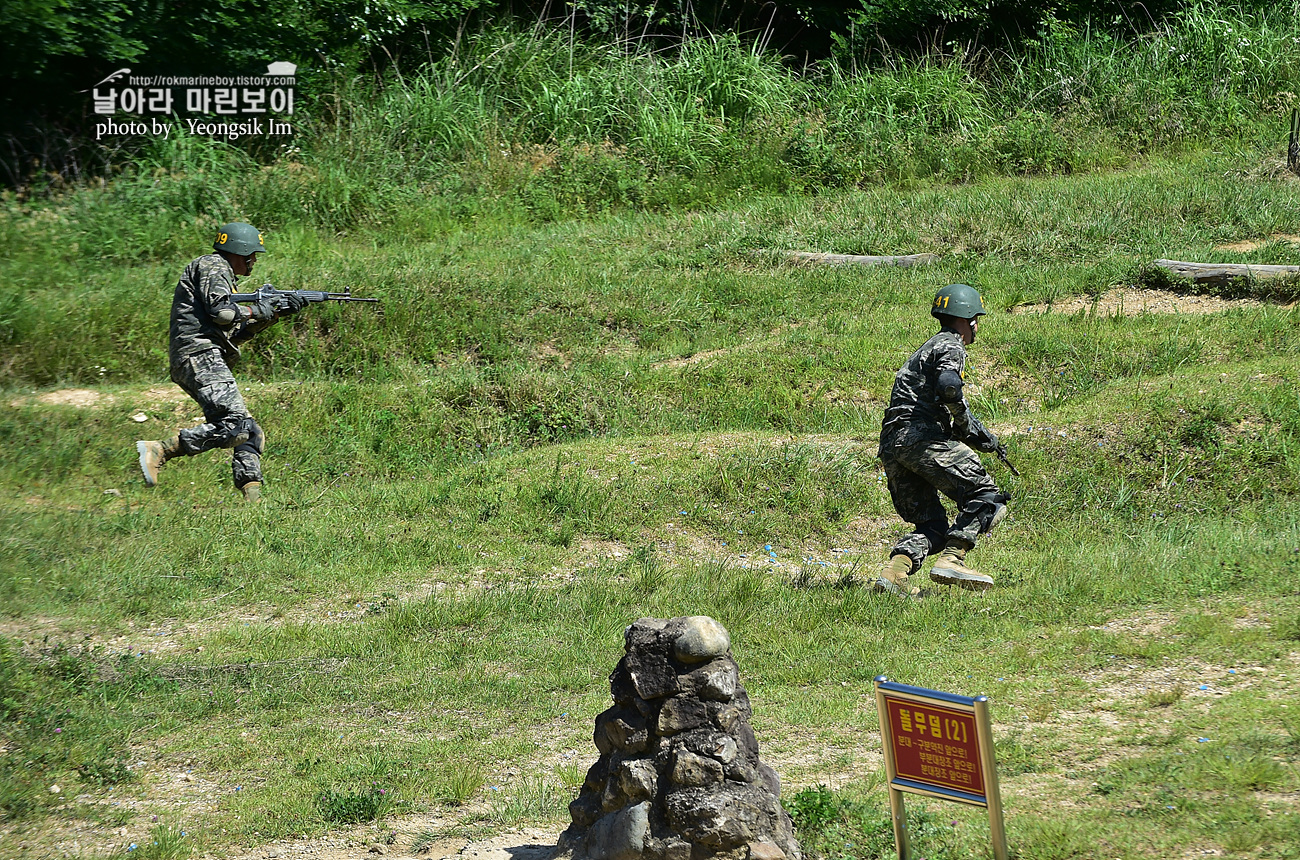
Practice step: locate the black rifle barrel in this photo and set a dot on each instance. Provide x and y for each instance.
(309, 295)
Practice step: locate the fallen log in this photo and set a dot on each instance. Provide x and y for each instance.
(816, 257)
(1223, 273)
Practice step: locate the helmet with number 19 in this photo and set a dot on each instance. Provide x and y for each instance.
(239, 238)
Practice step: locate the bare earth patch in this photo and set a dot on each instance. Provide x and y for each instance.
(156, 396)
(708, 356)
(81, 398)
(1245, 246)
(1122, 301)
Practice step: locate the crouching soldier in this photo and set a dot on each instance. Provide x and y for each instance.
(207, 327)
(926, 445)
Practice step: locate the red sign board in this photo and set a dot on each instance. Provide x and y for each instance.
(935, 745)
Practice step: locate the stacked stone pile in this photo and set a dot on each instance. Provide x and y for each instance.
(679, 777)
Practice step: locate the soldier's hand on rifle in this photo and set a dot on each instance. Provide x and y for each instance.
(984, 441)
(263, 309)
(293, 304)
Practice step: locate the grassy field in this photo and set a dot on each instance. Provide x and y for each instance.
(554, 428)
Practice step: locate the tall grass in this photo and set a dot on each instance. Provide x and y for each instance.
(546, 124)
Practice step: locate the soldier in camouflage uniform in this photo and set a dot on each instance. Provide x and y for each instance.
(207, 327)
(926, 445)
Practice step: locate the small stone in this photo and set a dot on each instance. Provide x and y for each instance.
(627, 738)
(742, 771)
(677, 849)
(724, 749)
(695, 771)
(376, 848)
(585, 811)
(54, 789)
(703, 639)
(113, 492)
(620, 835)
(653, 677)
(612, 798)
(643, 633)
(726, 716)
(716, 681)
(185, 777)
(679, 715)
(139, 418)
(765, 851)
(638, 779)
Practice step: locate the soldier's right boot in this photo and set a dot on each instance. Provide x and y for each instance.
(252, 492)
(950, 569)
(154, 454)
(894, 576)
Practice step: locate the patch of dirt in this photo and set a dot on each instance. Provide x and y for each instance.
(1151, 624)
(1245, 246)
(600, 550)
(89, 398)
(81, 398)
(165, 394)
(1127, 302)
(549, 354)
(401, 837)
(710, 355)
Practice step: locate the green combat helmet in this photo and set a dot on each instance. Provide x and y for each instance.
(958, 300)
(243, 239)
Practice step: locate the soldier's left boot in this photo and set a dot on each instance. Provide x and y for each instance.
(894, 578)
(950, 569)
(252, 491)
(154, 454)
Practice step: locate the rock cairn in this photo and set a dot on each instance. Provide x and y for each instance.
(678, 776)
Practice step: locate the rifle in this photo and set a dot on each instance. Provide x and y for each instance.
(1001, 451)
(276, 297)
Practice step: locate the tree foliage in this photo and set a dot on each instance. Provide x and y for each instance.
(53, 51)
(56, 48)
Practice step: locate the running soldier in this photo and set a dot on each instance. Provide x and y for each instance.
(926, 444)
(207, 327)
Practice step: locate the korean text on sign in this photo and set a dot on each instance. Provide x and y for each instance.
(936, 746)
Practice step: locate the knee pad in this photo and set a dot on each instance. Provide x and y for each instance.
(256, 442)
(237, 429)
(993, 511)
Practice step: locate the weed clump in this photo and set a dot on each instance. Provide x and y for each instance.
(354, 807)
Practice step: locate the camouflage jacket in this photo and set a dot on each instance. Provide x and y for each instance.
(915, 413)
(204, 317)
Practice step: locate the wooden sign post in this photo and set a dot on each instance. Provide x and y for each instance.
(938, 745)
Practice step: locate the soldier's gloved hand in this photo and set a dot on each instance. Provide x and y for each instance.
(984, 441)
(292, 304)
(263, 310)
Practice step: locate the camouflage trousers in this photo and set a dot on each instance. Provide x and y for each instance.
(206, 378)
(917, 474)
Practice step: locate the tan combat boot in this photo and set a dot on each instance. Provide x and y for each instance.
(894, 577)
(950, 569)
(252, 491)
(154, 454)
